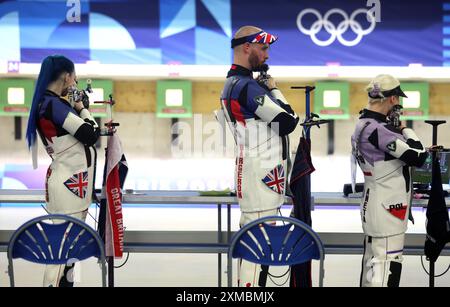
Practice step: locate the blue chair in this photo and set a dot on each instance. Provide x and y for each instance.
(292, 243)
(46, 243)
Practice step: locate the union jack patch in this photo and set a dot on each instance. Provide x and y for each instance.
(78, 184)
(264, 38)
(275, 179)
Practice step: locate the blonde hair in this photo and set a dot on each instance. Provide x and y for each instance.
(377, 100)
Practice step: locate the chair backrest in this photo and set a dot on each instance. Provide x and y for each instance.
(66, 241)
(263, 242)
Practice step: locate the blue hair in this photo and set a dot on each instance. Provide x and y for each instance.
(51, 68)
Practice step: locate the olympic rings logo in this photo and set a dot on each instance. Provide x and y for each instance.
(336, 32)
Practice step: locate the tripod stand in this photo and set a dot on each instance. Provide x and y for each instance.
(111, 226)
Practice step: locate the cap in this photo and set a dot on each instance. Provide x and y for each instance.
(383, 86)
(261, 37)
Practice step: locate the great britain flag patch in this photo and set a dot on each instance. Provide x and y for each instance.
(275, 179)
(78, 184)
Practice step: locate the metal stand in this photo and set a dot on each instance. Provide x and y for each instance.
(175, 134)
(308, 90)
(300, 189)
(330, 150)
(311, 119)
(110, 262)
(17, 128)
(109, 131)
(435, 124)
